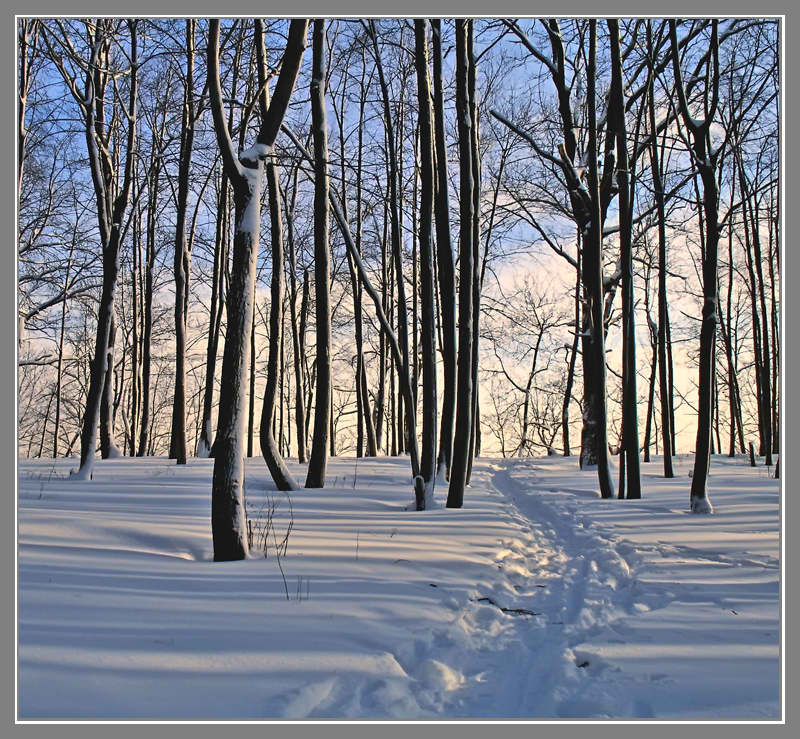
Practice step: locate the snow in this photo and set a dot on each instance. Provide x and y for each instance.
(250, 221)
(256, 153)
(537, 599)
(114, 451)
(701, 505)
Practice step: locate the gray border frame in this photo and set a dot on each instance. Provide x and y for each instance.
(351, 8)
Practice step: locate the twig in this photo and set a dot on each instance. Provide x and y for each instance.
(514, 611)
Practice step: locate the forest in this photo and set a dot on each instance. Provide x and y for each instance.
(273, 244)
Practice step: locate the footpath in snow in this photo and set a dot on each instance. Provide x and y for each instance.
(536, 600)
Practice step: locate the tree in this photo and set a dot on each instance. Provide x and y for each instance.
(593, 269)
(271, 117)
(704, 158)
(429, 399)
(402, 363)
(245, 175)
(318, 460)
(111, 200)
(663, 310)
(28, 37)
(472, 74)
(297, 344)
(444, 260)
(392, 339)
(220, 267)
(364, 420)
(182, 258)
(464, 397)
(616, 124)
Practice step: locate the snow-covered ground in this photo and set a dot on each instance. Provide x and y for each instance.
(536, 600)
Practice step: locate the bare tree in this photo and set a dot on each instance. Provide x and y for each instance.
(663, 309)
(318, 460)
(593, 271)
(464, 396)
(429, 400)
(445, 264)
(28, 38)
(616, 124)
(183, 256)
(245, 175)
(704, 158)
(272, 113)
(112, 201)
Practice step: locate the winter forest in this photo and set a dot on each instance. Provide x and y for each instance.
(399, 368)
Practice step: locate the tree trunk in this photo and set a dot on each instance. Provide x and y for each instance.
(424, 497)
(322, 408)
(651, 387)
(299, 411)
(664, 387)
(310, 374)
(361, 369)
(215, 315)
(396, 236)
(766, 390)
(461, 440)
(108, 444)
(705, 161)
(476, 240)
(380, 401)
(251, 394)
(573, 354)
(147, 330)
(294, 51)
(110, 218)
(593, 268)
(60, 365)
(182, 256)
(446, 266)
(629, 398)
(272, 454)
(228, 515)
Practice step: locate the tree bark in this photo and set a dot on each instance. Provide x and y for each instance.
(424, 496)
(461, 439)
(404, 444)
(322, 408)
(111, 211)
(272, 113)
(147, 330)
(215, 315)
(629, 398)
(299, 381)
(593, 269)
(228, 516)
(664, 387)
(573, 354)
(704, 159)
(182, 255)
(476, 240)
(446, 266)
(108, 444)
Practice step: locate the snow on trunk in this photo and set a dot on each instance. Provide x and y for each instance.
(228, 517)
